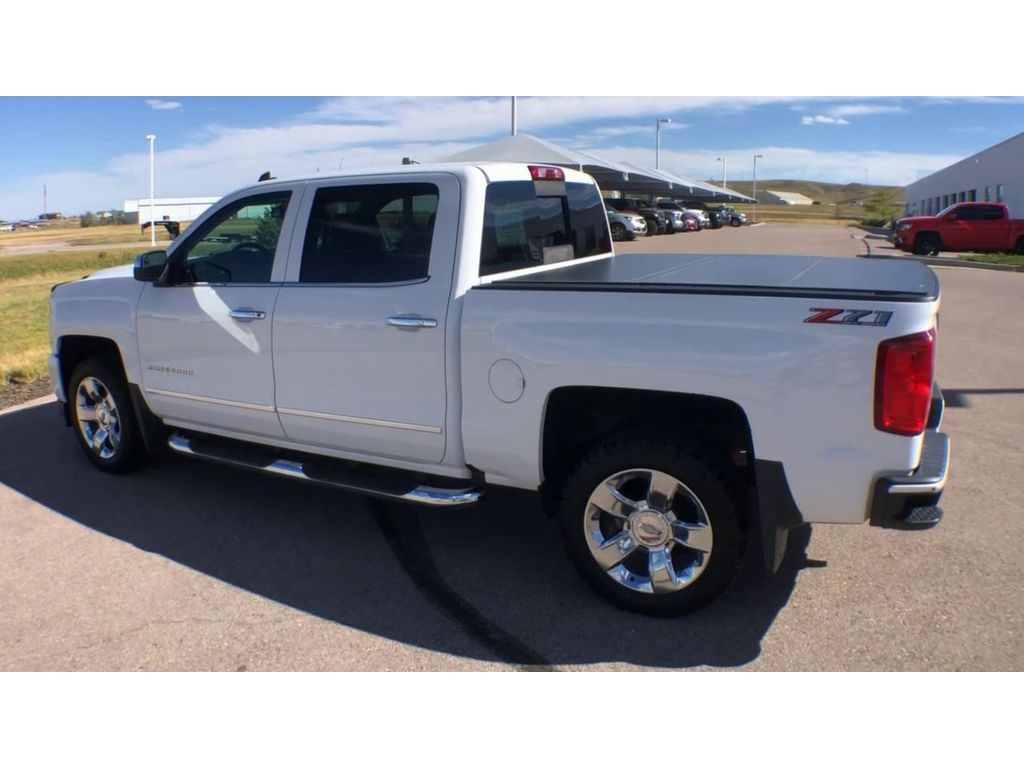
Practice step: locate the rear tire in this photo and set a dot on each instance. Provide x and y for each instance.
(926, 245)
(650, 526)
(735, 223)
(103, 418)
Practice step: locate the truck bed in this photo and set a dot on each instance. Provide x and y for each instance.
(739, 275)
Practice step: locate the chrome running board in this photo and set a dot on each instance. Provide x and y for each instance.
(413, 494)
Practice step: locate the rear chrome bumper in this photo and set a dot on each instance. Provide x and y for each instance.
(898, 500)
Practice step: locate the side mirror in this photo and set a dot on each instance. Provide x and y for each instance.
(149, 266)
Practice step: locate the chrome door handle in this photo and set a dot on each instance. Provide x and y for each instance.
(247, 314)
(407, 321)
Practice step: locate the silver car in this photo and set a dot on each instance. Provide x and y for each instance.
(626, 226)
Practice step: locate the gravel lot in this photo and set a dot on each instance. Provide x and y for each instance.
(187, 565)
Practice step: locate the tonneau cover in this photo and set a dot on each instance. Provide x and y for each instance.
(852, 278)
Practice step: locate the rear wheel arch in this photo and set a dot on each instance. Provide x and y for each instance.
(578, 418)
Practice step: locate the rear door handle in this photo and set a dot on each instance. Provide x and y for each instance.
(247, 314)
(411, 321)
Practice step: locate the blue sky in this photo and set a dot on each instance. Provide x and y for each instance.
(91, 152)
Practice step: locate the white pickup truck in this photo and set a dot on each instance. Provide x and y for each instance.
(421, 334)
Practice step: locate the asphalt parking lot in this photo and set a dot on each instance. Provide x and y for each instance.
(187, 565)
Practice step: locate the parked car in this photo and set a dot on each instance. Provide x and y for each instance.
(731, 216)
(707, 214)
(658, 221)
(961, 227)
(626, 226)
(438, 330)
(705, 220)
(678, 214)
(693, 223)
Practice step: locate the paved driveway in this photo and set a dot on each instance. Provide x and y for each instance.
(187, 565)
(798, 239)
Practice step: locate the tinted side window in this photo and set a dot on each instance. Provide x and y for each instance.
(524, 227)
(991, 213)
(372, 233)
(968, 214)
(237, 244)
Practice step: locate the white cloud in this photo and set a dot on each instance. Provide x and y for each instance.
(380, 131)
(894, 168)
(161, 104)
(823, 119)
(856, 110)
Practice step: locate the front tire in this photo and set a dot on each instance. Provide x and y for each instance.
(926, 245)
(102, 416)
(650, 526)
(618, 232)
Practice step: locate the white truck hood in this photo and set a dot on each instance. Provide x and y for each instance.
(126, 270)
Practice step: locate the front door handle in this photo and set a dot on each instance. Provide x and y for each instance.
(411, 321)
(247, 314)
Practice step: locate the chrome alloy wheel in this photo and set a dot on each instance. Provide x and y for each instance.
(97, 416)
(648, 531)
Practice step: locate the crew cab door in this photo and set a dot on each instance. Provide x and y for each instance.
(359, 329)
(992, 227)
(976, 227)
(205, 333)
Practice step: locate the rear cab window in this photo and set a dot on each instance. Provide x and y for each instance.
(535, 223)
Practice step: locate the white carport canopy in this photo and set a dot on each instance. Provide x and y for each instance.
(524, 148)
(618, 176)
(685, 187)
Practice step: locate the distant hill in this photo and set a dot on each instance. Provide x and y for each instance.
(821, 191)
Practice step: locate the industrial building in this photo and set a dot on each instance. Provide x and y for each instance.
(993, 175)
(773, 197)
(167, 208)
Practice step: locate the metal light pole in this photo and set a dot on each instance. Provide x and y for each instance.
(657, 140)
(724, 167)
(753, 205)
(152, 205)
(513, 115)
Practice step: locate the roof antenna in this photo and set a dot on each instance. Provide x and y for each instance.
(265, 176)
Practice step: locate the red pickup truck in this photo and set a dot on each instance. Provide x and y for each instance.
(961, 227)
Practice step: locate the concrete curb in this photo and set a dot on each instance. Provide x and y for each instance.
(29, 404)
(939, 261)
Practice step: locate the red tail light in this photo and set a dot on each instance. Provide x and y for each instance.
(903, 383)
(546, 173)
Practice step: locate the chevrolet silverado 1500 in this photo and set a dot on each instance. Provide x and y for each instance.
(421, 334)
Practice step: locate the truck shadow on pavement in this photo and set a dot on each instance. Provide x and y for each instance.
(489, 583)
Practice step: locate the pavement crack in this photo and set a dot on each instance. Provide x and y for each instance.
(412, 551)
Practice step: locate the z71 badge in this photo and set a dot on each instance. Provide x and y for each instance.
(848, 316)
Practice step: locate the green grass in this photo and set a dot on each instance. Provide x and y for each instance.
(25, 283)
(1016, 259)
(61, 262)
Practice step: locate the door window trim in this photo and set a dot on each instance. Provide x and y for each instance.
(200, 229)
(449, 205)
